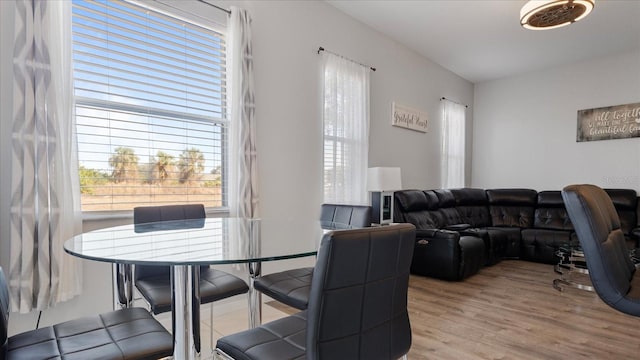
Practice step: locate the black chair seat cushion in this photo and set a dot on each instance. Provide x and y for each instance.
(289, 287)
(280, 339)
(214, 285)
(123, 334)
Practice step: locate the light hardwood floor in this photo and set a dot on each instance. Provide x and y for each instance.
(511, 311)
(506, 311)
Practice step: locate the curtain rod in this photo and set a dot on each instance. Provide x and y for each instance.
(459, 103)
(216, 6)
(344, 57)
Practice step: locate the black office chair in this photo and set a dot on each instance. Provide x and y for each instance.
(291, 287)
(154, 282)
(357, 305)
(122, 334)
(595, 220)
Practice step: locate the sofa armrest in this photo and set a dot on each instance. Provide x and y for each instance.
(437, 254)
(437, 234)
(458, 227)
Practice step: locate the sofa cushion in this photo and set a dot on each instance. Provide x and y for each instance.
(550, 212)
(623, 199)
(512, 207)
(550, 198)
(470, 196)
(415, 200)
(414, 206)
(625, 202)
(638, 211)
(540, 245)
(447, 208)
(424, 219)
(552, 218)
(496, 243)
(450, 216)
(445, 198)
(514, 238)
(513, 197)
(472, 206)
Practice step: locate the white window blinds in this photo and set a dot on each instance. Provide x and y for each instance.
(150, 107)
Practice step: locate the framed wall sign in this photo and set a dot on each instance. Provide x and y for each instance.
(611, 122)
(408, 118)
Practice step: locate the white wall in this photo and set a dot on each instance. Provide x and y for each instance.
(286, 36)
(525, 127)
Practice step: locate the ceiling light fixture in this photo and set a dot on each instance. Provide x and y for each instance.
(551, 14)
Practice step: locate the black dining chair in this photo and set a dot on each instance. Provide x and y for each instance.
(128, 334)
(612, 272)
(291, 287)
(357, 304)
(154, 282)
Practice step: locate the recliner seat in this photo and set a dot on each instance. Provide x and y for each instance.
(439, 252)
(471, 204)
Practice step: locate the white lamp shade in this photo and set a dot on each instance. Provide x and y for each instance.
(384, 179)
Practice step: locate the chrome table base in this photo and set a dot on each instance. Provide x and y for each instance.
(573, 271)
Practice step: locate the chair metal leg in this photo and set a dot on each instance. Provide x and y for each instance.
(213, 346)
(221, 355)
(122, 275)
(254, 296)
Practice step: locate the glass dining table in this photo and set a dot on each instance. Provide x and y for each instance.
(185, 245)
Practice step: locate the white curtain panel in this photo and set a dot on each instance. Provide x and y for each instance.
(45, 190)
(453, 144)
(243, 162)
(346, 129)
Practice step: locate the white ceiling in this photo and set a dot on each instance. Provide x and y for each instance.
(482, 40)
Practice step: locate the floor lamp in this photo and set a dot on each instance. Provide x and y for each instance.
(382, 182)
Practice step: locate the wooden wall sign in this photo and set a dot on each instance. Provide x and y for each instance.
(406, 117)
(611, 122)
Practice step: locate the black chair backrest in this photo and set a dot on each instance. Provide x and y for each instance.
(338, 216)
(358, 298)
(150, 214)
(597, 225)
(4, 312)
(147, 214)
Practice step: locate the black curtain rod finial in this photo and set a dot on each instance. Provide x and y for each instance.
(320, 49)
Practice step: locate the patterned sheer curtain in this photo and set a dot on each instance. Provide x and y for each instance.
(45, 191)
(345, 120)
(453, 144)
(243, 164)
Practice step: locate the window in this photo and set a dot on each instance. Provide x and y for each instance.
(150, 107)
(453, 144)
(346, 130)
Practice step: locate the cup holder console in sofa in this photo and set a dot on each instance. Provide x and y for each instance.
(461, 230)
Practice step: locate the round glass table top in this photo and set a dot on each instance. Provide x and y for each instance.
(191, 242)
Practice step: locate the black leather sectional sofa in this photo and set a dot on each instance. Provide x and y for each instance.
(461, 230)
